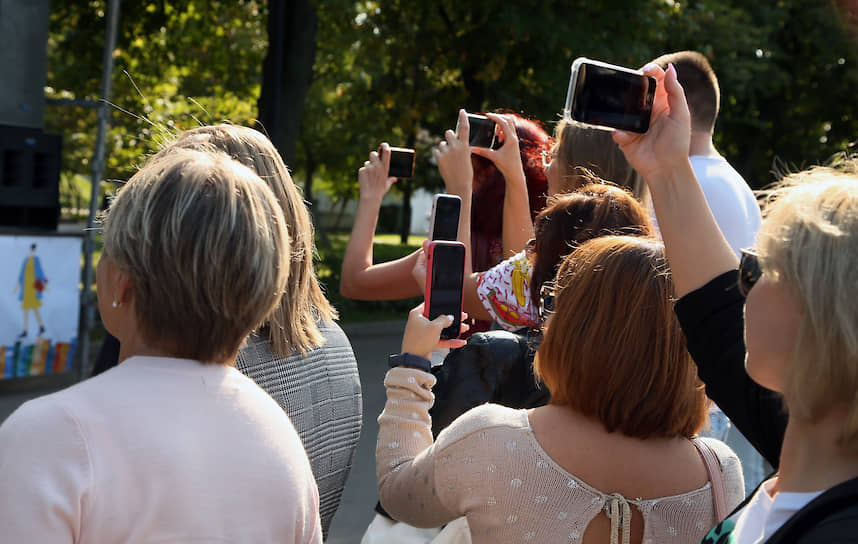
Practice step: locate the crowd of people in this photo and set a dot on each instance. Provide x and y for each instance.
(645, 344)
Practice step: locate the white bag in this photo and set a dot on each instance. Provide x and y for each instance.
(385, 531)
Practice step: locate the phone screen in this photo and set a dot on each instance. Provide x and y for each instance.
(613, 98)
(445, 284)
(401, 163)
(482, 133)
(445, 217)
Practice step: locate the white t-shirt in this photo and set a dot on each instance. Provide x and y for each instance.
(764, 514)
(731, 200)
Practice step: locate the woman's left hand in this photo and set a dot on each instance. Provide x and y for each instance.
(507, 158)
(422, 335)
(453, 156)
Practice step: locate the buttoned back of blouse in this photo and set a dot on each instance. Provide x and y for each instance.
(489, 467)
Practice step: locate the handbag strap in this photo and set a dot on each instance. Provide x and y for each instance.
(713, 468)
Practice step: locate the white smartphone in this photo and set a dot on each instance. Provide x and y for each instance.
(444, 224)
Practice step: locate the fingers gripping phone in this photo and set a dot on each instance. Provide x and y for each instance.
(445, 264)
(401, 162)
(482, 132)
(608, 95)
(445, 217)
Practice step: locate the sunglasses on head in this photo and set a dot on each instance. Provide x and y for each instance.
(749, 271)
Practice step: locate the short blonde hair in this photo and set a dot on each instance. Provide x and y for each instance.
(205, 245)
(809, 244)
(292, 326)
(613, 349)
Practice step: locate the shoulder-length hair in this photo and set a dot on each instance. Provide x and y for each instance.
(292, 326)
(569, 219)
(613, 349)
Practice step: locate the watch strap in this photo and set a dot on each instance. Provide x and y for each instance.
(409, 359)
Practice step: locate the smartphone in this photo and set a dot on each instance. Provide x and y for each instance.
(610, 96)
(482, 133)
(444, 224)
(445, 266)
(401, 162)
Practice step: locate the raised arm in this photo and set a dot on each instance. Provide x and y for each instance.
(359, 278)
(695, 248)
(517, 225)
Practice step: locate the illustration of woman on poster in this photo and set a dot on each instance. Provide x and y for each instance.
(31, 284)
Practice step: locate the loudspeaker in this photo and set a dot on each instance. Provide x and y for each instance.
(29, 178)
(23, 61)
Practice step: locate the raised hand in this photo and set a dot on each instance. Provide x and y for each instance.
(373, 180)
(664, 147)
(422, 335)
(507, 159)
(454, 159)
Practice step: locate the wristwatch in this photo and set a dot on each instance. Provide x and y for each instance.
(410, 360)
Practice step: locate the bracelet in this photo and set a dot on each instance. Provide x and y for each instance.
(410, 360)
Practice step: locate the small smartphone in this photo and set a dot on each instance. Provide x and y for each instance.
(401, 162)
(482, 133)
(445, 267)
(444, 224)
(610, 96)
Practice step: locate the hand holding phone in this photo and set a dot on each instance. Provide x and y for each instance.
(373, 180)
(608, 95)
(481, 132)
(444, 284)
(453, 156)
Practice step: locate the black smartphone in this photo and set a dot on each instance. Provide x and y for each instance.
(610, 96)
(401, 162)
(482, 133)
(445, 275)
(444, 224)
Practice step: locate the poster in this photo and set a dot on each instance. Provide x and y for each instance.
(39, 304)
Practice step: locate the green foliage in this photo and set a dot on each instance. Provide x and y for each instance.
(178, 63)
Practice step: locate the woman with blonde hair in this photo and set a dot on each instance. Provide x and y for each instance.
(775, 335)
(174, 444)
(299, 355)
(611, 458)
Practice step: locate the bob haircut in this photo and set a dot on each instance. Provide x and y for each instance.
(613, 349)
(808, 243)
(569, 219)
(490, 188)
(581, 148)
(292, 326)
(205, 246)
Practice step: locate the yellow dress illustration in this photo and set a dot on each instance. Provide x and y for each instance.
(30, 300)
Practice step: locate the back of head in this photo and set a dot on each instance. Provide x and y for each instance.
(490, 187)
(293, 324)
(808, 244)
(583, 149)
(613, 349)
(205, 246)
(597, 209)
(700, 85)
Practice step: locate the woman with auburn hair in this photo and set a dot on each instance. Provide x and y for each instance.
(775, 334)
(299, 343)
(174, 443)
(612, 457)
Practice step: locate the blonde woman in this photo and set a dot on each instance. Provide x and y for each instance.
(299, 355)
(775, 335)
(174, 444)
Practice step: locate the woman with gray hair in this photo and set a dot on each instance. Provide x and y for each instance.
(174, 444)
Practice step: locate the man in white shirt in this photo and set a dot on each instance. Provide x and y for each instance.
(732, 203)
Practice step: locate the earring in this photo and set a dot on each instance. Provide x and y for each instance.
(115, 304)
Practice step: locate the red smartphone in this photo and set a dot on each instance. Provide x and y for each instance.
(445, 276)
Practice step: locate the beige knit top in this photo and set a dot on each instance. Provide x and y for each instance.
(488, 466)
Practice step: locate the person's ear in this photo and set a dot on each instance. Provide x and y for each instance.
(124, 288)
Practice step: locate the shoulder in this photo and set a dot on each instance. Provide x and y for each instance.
(486, 417)
(731, 471)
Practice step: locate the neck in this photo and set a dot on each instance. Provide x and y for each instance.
(811, 459)
(701, 144)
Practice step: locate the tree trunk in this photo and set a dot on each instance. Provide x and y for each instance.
(309, 173)
(407, 188)
(287, 72)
